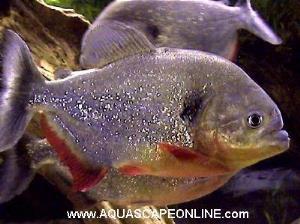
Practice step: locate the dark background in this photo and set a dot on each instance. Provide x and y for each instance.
(274, 68)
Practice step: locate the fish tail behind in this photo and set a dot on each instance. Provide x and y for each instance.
(255, 24)
(18, 79)
(15, 171)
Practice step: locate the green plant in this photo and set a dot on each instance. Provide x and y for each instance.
(89, 8)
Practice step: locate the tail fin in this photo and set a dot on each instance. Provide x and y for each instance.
(19, 73)
(255, 24)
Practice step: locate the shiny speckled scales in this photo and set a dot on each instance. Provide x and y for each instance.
(160, 112)
(186, 24)
(121, 112)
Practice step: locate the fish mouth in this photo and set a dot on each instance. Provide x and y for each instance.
(280, 139)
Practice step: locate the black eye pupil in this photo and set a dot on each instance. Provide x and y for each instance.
(254, 120)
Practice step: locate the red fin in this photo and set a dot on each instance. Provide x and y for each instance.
(84, 178)
(182, 153)
(132, 170)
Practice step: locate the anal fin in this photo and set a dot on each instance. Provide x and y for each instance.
(84, 177)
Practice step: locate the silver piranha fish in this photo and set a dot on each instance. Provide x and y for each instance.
(186, 24)
(160, 112)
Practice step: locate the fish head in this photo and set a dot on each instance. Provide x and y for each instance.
(240, 126)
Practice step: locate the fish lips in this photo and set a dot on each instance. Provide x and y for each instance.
(279, 139)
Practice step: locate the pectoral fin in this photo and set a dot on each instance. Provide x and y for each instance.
(189, 163)
(175, 161)
(133, 169)
(84, 177)
(182, 153)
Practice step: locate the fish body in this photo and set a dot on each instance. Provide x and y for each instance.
(126, 190)
(160, 112)
(146, 190)
(185, 24)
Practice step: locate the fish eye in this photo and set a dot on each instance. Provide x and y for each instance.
(254, 120)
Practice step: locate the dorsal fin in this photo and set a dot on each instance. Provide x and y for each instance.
(244, 3)
(110, 41)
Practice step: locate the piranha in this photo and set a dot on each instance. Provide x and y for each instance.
(186, 24)
(160, 112)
